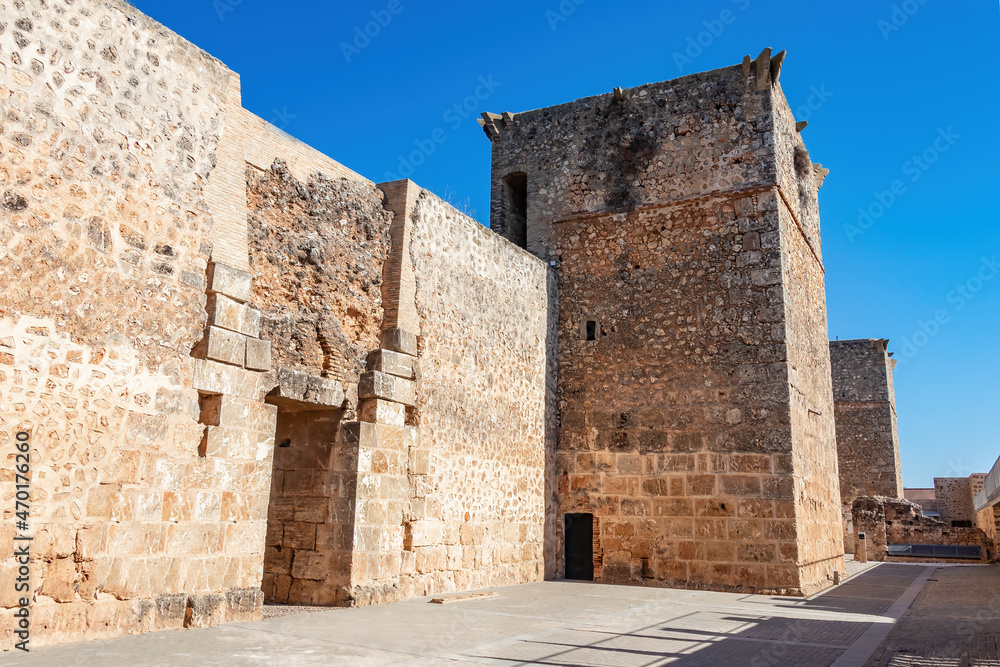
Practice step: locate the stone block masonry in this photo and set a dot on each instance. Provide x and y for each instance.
(867, 437)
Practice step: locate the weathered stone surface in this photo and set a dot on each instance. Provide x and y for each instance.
(213, 377)
(477, 508)
(222, 345)
(379, 411)
(305, 388)
(867, 437)
(317, 248)
(392, 363)
(258, 355)
(375, 384)
(955, 498)
(231, 282)
(230, 314)
(399, 340)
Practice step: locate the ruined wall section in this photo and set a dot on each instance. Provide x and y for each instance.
(888, 521)
(478, 475)
(317, 248)
(867, 437)
(806, 338)
(111, 127)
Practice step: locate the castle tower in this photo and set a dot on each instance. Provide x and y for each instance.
(867, 438)
(696, 437)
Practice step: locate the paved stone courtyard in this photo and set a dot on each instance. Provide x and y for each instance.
(954, 621)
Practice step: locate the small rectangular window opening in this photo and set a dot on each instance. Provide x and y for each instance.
(591, 330)
(516, 207)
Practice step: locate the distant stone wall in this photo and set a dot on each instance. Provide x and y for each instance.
(867, 437)
(478, 477)
(955, 497)
(886, 521)
(112, 126)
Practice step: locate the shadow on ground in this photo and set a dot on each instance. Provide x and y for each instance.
(713, 638)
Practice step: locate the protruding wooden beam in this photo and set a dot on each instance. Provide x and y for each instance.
(801, 125)
(776, 65)
(619, 94)
(747, 66)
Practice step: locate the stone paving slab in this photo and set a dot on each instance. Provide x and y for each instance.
(548, 623)
(954, 622)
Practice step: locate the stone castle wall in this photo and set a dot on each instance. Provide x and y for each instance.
(682, 274)
(112, 126)
(806, 339)
(251, 374)
(867, 437)
(477, 510)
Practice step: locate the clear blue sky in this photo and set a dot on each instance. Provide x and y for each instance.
(895, 81)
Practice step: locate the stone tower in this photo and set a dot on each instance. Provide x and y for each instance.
(696, 423)
(867, 439)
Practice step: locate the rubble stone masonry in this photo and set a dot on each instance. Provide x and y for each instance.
(886, 521)
(867, 438)
(111, 128)
(250, 374)
(477, 513)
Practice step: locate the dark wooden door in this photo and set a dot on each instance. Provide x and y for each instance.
(580, 546)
